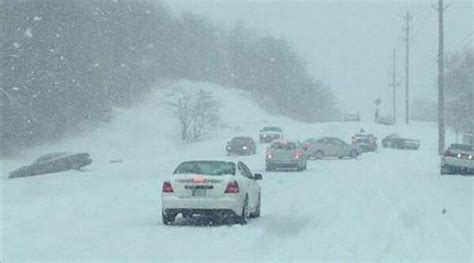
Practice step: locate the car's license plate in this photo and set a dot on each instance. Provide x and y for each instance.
(199, 192)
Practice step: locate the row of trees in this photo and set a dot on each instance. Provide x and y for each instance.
(460, 90)
(63, 62)
(459, 94)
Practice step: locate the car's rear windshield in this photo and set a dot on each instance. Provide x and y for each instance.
(275, 129)
(283, 146)
(206, 168)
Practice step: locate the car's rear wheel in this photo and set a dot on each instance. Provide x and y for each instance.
(168, 219)
(257, 211)
(243, 216)
(319, 155)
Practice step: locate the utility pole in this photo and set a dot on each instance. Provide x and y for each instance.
(441, 117)
(407, 67)
(394, 84)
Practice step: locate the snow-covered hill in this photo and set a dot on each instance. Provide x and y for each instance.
(383, 206)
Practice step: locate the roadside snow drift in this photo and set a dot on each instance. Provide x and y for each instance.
(387, 205)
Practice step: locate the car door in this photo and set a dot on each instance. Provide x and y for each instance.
(339, 147)
(321, 145)
(252, 187)
(331, 147)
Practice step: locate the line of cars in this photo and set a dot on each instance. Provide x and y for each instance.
(227, 192)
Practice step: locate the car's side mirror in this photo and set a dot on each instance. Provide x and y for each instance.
(257, 176)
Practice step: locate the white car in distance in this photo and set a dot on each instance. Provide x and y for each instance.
(227, 192)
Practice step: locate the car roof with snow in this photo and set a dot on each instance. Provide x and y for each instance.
(206, 167)
(271, 129)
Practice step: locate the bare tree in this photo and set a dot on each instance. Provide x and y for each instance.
(197, 112)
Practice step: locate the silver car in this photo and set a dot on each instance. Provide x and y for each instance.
(458, 159)
(329, 147)
(283, 154)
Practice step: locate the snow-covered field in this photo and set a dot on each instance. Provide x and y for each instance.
(384, 206)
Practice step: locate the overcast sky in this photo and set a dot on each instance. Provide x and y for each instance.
(348, 44)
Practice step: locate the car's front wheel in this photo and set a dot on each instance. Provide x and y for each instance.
(446, 170)
(353, 154)
(268, 168)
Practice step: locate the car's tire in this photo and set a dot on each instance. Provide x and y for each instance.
(257, 212)
(242, 219)
(319, 155)
(168, 219)
(353, 154)
(446, 170)
(268, 168)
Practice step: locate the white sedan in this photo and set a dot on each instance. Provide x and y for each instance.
(225, 191)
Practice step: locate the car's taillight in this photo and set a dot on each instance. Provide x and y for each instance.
(299, 154)
(167, 188)
(232, 188)
(269, 155)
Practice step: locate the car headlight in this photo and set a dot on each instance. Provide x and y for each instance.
(470, 157)
(244, 147)
(459, 155)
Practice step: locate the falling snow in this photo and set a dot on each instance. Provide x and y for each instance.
(28, 33)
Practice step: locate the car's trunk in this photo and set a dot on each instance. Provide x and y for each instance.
(200, 186)
(282, 154)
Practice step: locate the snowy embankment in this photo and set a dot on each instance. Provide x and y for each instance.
(383, 206)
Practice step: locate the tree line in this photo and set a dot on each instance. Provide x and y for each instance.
(459, 94)
(460, 90)
(65, 62)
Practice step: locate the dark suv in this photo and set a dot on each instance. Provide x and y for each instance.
(241, 146)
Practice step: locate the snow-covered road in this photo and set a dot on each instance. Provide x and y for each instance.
(383, 206)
